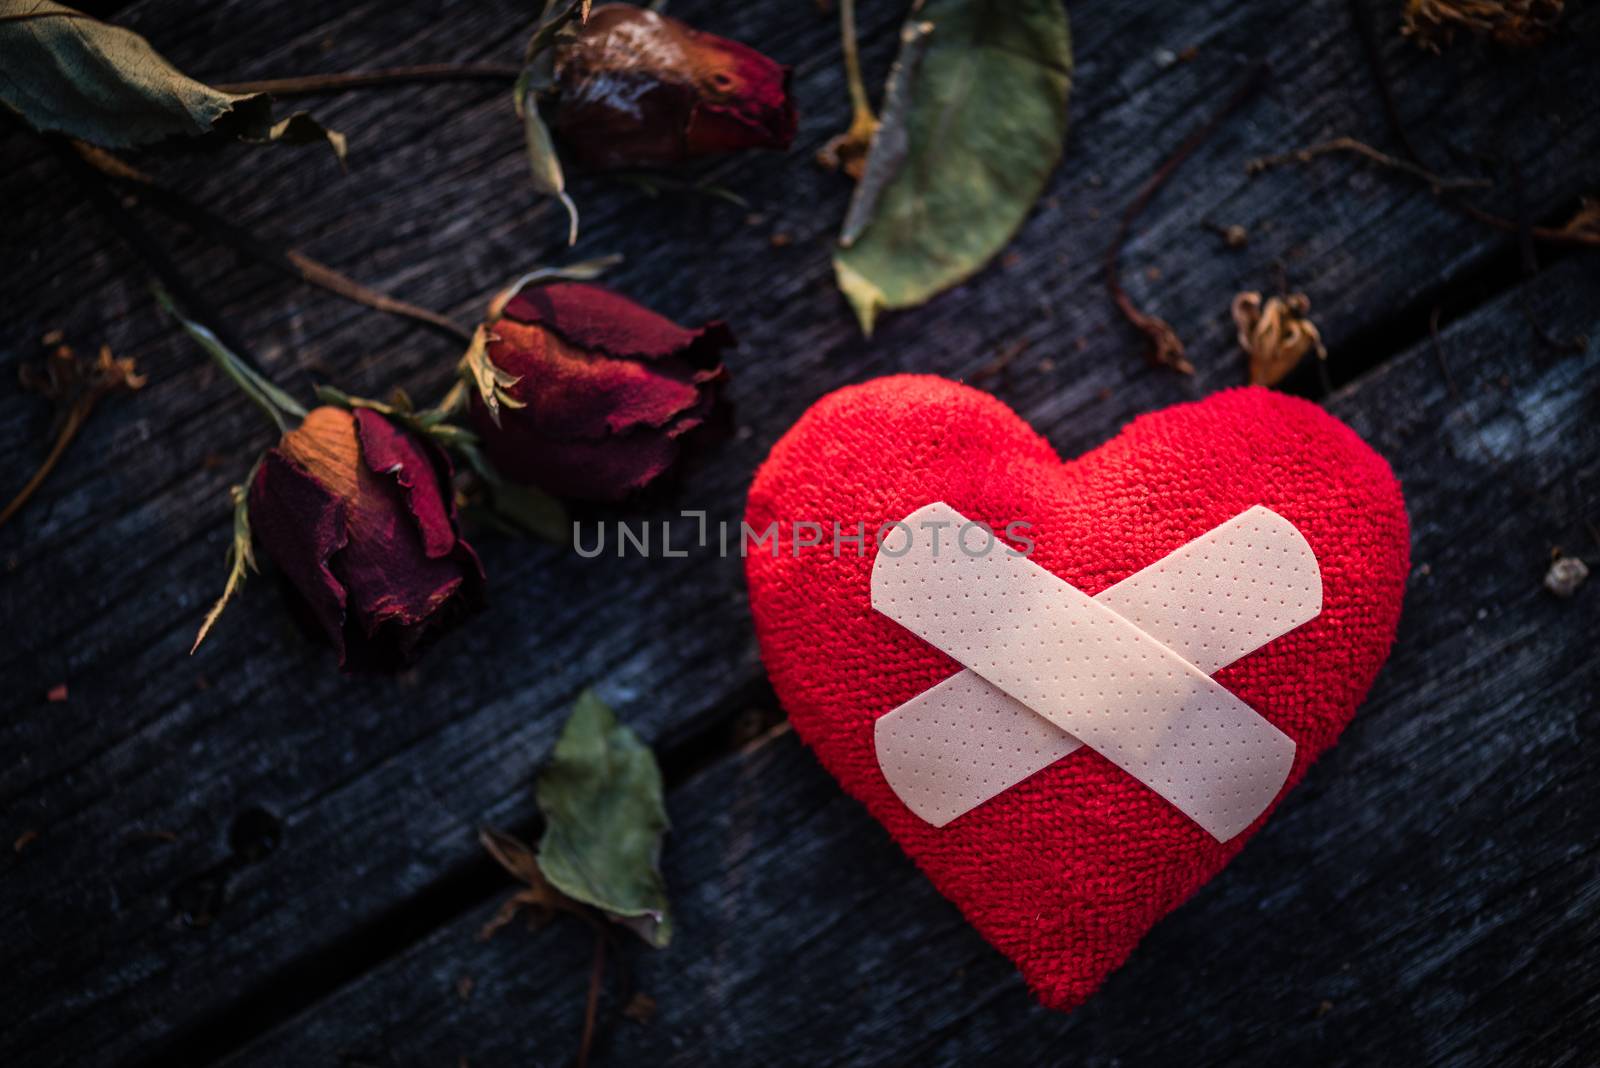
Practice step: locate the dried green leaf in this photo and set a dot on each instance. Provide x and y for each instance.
(67, 72)
(492, 382)
(546, 165)
(604, 818)
(278, 405)
(241, 557)
(983, 129)
(531, 511)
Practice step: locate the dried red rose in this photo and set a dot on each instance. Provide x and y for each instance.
(640, 89)
(359, 516)
(608, 391)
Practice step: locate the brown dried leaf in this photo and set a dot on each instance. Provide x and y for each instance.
(1518, 23)
(1275, 335)
(74, 386)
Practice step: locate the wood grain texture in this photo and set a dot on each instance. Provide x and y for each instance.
(151, 788)
(1429, 895)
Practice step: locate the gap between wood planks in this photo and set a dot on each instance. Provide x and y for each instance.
(750, 716)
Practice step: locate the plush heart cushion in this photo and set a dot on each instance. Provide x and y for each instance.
(1066, 871)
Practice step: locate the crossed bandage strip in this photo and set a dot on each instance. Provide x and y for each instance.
(1127, 672)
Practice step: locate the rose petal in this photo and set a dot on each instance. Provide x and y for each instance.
(390, 451)
(300, 525)
(596, 319)
(604, 470)
(568, 392)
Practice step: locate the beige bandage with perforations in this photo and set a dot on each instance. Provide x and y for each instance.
(1127, 672)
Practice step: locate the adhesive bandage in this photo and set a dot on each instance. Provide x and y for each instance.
(1127, 672)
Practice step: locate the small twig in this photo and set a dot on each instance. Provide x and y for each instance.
(373, 79)
(69, 430)
(147, 248)
(860, 106)
(849, 150)
(591, 1008)
(1166, 348)
(1439, 183)
(76, 387)
(1397, 128)
(291, 262)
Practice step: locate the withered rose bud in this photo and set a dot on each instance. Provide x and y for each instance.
(609, 391)
(359, 516)
(639, 89)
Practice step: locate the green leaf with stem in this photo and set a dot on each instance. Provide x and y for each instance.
(527, 509)
(278, 405)
(973, 124)
(68, 72)
(601, 797)
(538, 72)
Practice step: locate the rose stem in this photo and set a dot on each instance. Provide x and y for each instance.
(374, 79)
(291, 262)
(144, 246)
(591, 1007)
(1166, 349)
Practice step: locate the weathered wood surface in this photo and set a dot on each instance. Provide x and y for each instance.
(323, 824)
(1428, 896)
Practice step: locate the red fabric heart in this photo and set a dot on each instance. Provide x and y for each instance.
(1066, 871)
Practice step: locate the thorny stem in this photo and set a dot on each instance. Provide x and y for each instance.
(69, 430)
(291, 262)
(311, 84)
(1166, 349)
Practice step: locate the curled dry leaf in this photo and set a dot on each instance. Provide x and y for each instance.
(241, 559)
(1165, 346)
(518, 860)
(75, 386)
(983, 125)
(534, 84)
(68, 72)
(601, 796)
(1518, 23)
(1275, 335)
(493, 383)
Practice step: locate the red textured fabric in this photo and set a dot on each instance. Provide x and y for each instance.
(1066, 871)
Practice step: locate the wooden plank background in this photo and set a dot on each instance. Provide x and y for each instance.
(245, 855)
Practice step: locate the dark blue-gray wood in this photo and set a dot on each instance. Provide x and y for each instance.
(213, 846)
